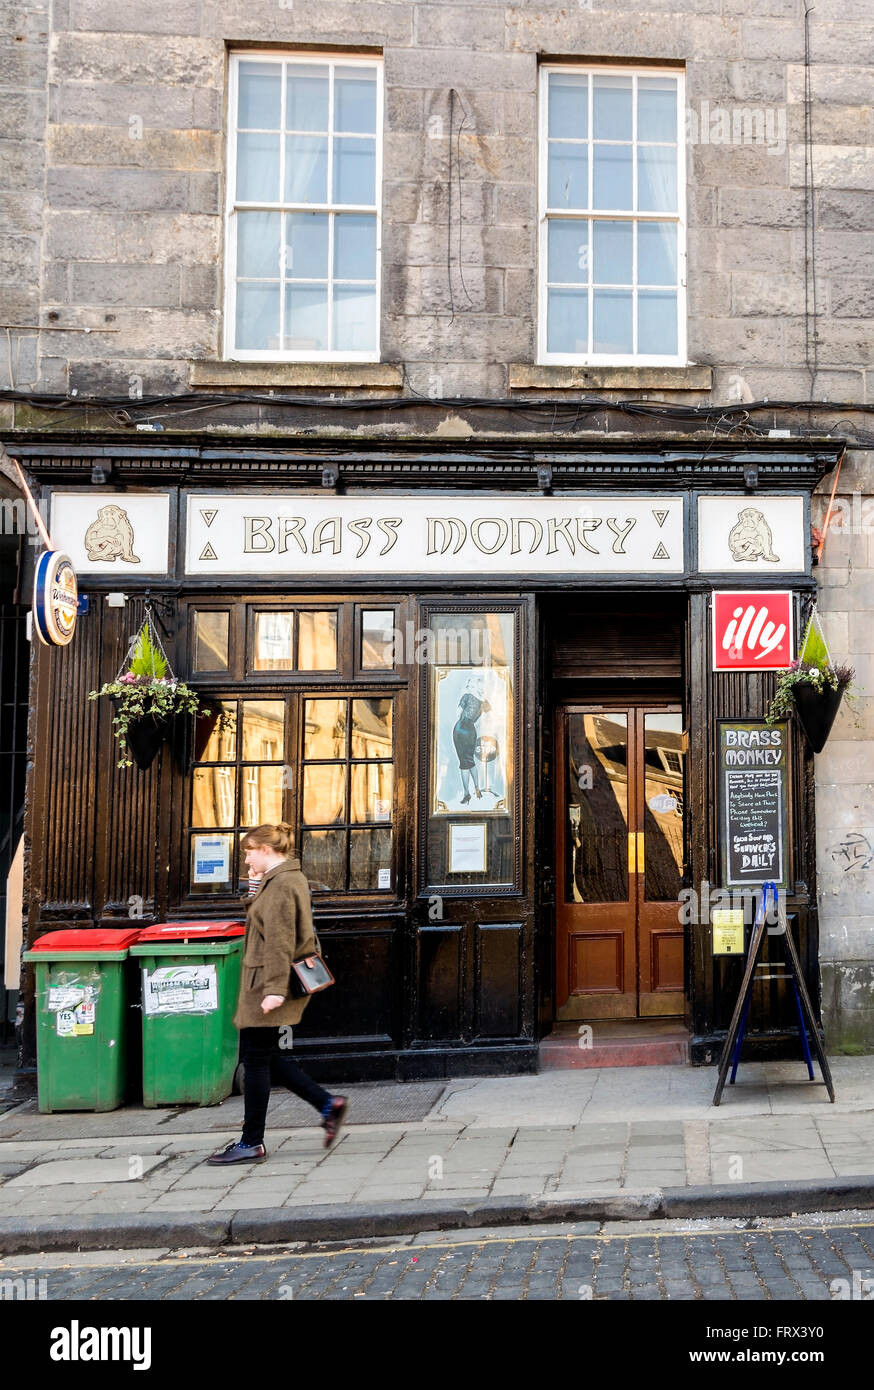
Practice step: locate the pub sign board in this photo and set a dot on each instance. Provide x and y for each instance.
(753, 803)
(753, 631)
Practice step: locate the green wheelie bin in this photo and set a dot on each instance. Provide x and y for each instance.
(82, 1007)
(190, 975)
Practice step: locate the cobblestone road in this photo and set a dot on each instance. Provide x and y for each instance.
(793, 1261)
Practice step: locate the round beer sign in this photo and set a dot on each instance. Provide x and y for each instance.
(55, 598)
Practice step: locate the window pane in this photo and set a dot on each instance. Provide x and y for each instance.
(372, 728)
(257, 316)
(657, 323)
(596, 809)
(568, 104)
(273, 650)
(567, 321)
(261, 801)
(213, 790)
(612, 177)
(664, 757)
(215, 734)
(210, 640)
(568, 175)
(611, 108)
(324, 794)
(306, 169)
(258, 168)
(657, 253)
(377, 638)
(258, 245)
(263, 730)
(211, 865)
(324, 729)
(613, 321)
(369, 852)
(354, 247)
(568, 251)
(317, 641)
(354, 171)
(260, 96)
(306, 246)
(656, 108)
(657, 178)
(323, 859)
(355, 100)
(306, 317)
(614, 243)
(355, 318)
(372, 785)
(306, 97)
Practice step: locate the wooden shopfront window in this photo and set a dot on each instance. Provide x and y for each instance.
(302, 733)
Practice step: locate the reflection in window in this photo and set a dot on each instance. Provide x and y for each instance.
(342, 790)
(663, 802)
(377, 639)
(210, 640)
(263, 730)
(273, 642)
(317, 641)
(596, 807)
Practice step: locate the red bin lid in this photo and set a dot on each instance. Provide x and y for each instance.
(87, 939)
(178, 931)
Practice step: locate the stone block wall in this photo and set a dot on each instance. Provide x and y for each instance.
(112, 162)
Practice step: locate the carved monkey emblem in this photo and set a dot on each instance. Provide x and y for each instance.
(750, 538)
(111, 536)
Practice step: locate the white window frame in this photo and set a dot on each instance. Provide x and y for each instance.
(590, 214)
(274, 57)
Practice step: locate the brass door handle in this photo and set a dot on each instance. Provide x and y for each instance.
(635, 852)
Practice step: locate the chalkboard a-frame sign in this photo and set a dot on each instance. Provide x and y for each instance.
(754, 803)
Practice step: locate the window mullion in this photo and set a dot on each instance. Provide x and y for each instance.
(283, 225)
(331, 204)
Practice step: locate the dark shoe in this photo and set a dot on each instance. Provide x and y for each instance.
(465, 799)
(237, 1152)
(333, 1121)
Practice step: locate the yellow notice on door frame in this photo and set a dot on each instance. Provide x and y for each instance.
(728, 932)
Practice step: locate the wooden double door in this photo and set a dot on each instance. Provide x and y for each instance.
(620, 854)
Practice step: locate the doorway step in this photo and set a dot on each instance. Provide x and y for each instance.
(633, 1042)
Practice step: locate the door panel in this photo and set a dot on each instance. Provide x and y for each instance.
(620, 857)
(595, 890)
(661, 742)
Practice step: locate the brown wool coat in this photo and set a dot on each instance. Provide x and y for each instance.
(279, 929)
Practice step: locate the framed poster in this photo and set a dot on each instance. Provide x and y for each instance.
(471, 732)
(753, 803)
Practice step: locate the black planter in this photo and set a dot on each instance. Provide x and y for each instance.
(144, 738)
(817, 710)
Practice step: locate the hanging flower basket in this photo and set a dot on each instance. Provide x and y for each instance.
(815, 692)
(147, 697)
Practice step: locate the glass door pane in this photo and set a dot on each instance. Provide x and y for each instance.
(596, 807)
(664, 760)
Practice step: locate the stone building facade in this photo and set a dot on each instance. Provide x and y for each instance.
(114, 262)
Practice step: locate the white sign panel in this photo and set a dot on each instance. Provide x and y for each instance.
(212, 858)
(298, 536)
(751, 535)
(180, 989)
(121, 533)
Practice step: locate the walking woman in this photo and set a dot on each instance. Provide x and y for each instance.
(279, 929)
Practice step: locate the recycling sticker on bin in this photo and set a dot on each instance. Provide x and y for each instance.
(180, 989)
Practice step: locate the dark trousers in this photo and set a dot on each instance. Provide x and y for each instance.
(265, 1063)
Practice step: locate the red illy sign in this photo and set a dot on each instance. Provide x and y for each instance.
(753, 631)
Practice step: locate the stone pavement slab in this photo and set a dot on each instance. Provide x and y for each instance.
(634, 1136)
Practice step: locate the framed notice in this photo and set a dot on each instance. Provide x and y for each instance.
(728, 932)
(467, 849)
(753, 803)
